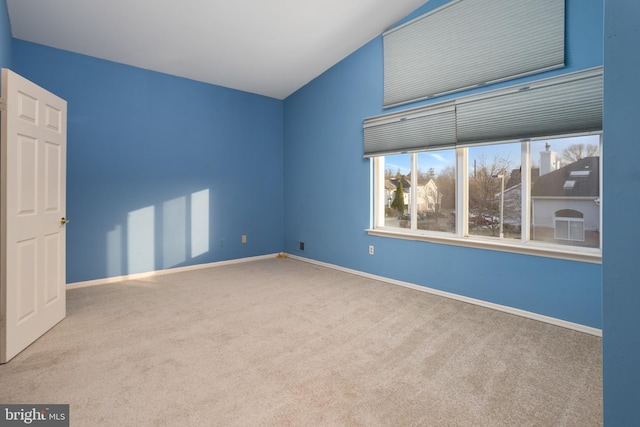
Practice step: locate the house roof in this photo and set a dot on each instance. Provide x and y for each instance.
(405, 183)
(577, 179)
(515, 178)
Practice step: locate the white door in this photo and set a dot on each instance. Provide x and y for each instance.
(33, 190)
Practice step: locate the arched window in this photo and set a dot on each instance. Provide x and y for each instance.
(569, 213)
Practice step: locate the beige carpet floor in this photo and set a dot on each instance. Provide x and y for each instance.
(280, 342)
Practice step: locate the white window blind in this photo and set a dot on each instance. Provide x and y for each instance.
(571, 103)
(550, 107)
(467, 43)
(421, 128)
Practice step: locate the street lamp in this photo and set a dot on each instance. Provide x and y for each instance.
(501, 176)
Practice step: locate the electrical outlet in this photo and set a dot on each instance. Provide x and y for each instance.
(371, 250)
(301, 246)
(244, 238)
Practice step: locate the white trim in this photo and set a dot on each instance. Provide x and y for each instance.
(138, 276)
(601, 186)
(413, 192)
(378, 190)
(506, 309)
(462, 189)
(535, 248)
(525, 191)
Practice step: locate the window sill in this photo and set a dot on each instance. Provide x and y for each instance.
(589, 255)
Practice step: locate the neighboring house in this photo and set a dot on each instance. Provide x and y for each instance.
(566, 203)
(565, 200)
(390, 186)
(513, 197)
(512, 206)
(427, 195)
(389, 192)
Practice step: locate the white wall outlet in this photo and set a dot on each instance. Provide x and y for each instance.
(244, 238)
(371, 250)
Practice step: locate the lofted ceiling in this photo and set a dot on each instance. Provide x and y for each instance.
(267, 47)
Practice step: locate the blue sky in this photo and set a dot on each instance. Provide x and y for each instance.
(438, 160)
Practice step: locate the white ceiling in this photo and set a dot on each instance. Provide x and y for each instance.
(268, 47)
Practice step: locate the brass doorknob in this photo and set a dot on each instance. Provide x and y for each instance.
(63, 221)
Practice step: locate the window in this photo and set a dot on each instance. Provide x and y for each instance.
(569, 227)
(565, 191)
(494, 191)
(436, 191)
(539, 194)
(421, 197)
(500, 169)
(397, 190)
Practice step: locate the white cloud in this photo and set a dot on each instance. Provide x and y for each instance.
(438, 157)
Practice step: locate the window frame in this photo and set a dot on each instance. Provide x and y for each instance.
(461, 236)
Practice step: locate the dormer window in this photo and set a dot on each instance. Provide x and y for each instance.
(579, 174)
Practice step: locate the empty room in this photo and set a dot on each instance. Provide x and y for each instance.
(352, 213)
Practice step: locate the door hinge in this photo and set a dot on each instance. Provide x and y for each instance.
(3, 104)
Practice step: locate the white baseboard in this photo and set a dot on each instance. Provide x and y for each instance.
(522, 313)
(137, 276)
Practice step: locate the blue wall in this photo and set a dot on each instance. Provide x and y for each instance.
(621, 269)
(153, 158)
(5, 36)
(327, 188)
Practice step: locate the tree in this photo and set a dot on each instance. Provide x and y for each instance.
(398, 200)
(431, 174)
(446, 182)
(389, 173)
(424, 177)
(484, 190)
(575, 152)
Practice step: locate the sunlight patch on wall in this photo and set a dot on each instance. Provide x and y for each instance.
(174, 232)
(141, 240)
(199, 223)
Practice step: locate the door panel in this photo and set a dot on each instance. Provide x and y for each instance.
(27, 107)
(53, 118)
(51, 268)
(52, 177)
(27, 291)
(33, 165)
(27, 174)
